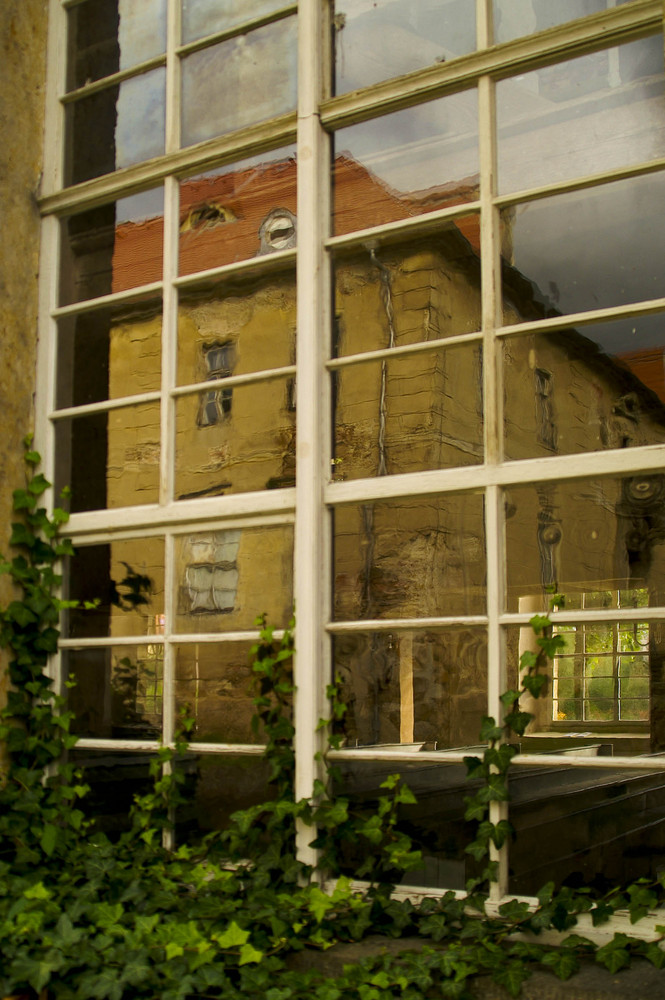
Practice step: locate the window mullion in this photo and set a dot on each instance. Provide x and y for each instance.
(313, 299)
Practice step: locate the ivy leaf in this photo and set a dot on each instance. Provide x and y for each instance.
(49, 839)
(562, 963)
(489, 730)
(539, 622)
(518, 721)
(511, 976)
(233, 937)
(534, 683)
(614, 955)
(249, 954)
(508, 697)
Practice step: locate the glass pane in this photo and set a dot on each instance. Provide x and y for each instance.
(118, 691)
(404, 294)
(582, 117)
(406, 414)
(225, 579)
(514, 18)
(407, 163)
(116, 127)
(421, 690)
(255, 73)
(216, 686)
(126, 577)
(233, 329)
(413, 33)
(591, 534)
(109, 353)
(110, 459)
(227, 443)
(584, 389)
(217, 787)
(112, 248)
(247, 209)
(204, 17)
(114, 779)
(588, 250)
(435, 823)
(414, 558)
(110, 35)
(585, 828)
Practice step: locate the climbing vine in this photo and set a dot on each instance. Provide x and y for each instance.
(83, 916)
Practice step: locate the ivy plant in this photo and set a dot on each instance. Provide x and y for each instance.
(85, 916)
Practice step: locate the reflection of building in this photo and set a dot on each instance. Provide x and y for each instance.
(417, 410)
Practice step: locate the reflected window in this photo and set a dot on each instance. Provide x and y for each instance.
(211, 578)
(602, 673)
(216, 404)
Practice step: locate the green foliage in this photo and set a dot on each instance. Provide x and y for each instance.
(84, 917)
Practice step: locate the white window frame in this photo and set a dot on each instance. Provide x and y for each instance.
(309, 504)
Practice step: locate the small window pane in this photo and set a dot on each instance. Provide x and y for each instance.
(116, 127)
(435, 823)
(413, 689)
(239, 82)
(228, 577)
(216, 787)
(586, 389)
(115, 778)
(411, 558)
(581, 117)
(585, 828)
(110, 35)
(401, 294)
(110, 459)
(126, 578)
(586, 535)
(109, 353)
(413, 33)
(235, 212)
(205, 17)
(588, 250)
(112, 248)
(215, 686)
(407, 163)
(407, 414)
(245, 447)
(515, 18)
(118, 691)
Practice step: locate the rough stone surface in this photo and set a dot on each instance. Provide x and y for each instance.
(640, 982)
(23, 30)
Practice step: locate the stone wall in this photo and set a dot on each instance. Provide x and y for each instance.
(23, 30)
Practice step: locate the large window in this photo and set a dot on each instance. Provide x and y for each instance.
(361, 306)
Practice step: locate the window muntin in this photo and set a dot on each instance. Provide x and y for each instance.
(407, 163)
(585, 116)
(414, 34)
